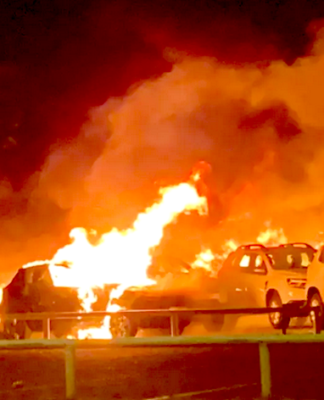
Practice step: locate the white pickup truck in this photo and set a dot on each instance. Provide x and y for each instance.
(259, 276)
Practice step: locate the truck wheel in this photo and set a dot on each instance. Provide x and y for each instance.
(121, 326)
(276, 318)
(315, 300)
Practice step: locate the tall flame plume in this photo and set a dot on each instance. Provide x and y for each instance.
(121, 256)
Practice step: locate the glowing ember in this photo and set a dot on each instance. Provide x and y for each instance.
(204, 260)
(229, 246)
(219, 258)
(96, 333)
(272, 237)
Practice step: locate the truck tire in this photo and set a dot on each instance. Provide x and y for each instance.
(314, 301)
(277, 319)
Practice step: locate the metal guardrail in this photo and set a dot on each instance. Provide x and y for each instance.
(288, 310)
(174, 340)
(70, 347)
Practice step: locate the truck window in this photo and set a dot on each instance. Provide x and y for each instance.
(305, 260)
(245, 261)
(253, 264)
(259, 266)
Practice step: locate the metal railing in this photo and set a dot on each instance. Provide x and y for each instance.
(70, 347)
(288, 311)
(175, 340)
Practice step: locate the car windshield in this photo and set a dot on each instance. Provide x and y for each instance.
(288, 258)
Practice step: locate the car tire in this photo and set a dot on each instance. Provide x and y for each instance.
(313, 301)
(277, 319)
(121, 326)
(16, 329)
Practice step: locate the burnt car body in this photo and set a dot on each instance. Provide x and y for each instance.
(32, 291)
(178, 286)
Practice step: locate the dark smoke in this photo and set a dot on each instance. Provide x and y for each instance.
(257, 121)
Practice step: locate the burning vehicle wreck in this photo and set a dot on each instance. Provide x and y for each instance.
(184, 287)
(92, 276)
(32, 291)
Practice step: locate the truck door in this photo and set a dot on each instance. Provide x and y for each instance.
(252, 279)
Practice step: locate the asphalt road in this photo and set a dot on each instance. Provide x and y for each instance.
(128, 373)
(223, 372)
(297, 372)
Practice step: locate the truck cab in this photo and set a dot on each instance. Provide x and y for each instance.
(258, 276)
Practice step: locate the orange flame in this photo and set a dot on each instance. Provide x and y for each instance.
(272, 237)
(121, 257)
(204, 260)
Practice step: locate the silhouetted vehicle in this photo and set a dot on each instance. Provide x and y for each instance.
(178, 286)
(32, 291)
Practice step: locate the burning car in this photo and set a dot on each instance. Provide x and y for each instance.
(184, 287)
(32, 291)
(117, 259)
(259, 276)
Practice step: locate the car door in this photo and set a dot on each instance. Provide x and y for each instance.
(252, 279)
(228, 281)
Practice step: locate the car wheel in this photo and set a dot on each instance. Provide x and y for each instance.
(316, 301)
(16, 329)
(276, 318)
(121, 326)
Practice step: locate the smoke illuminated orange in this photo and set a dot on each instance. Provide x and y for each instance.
(204, 260)
(272, 237)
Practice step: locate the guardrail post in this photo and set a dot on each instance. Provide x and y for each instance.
(174, 319)
(46, 328)
(70, 386)
(265, 370)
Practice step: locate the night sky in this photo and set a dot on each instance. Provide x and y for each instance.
(61, 59)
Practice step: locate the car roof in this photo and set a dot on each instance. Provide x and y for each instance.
(288, 246)
(42, 264)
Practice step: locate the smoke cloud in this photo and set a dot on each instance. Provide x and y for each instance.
(260, 128)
